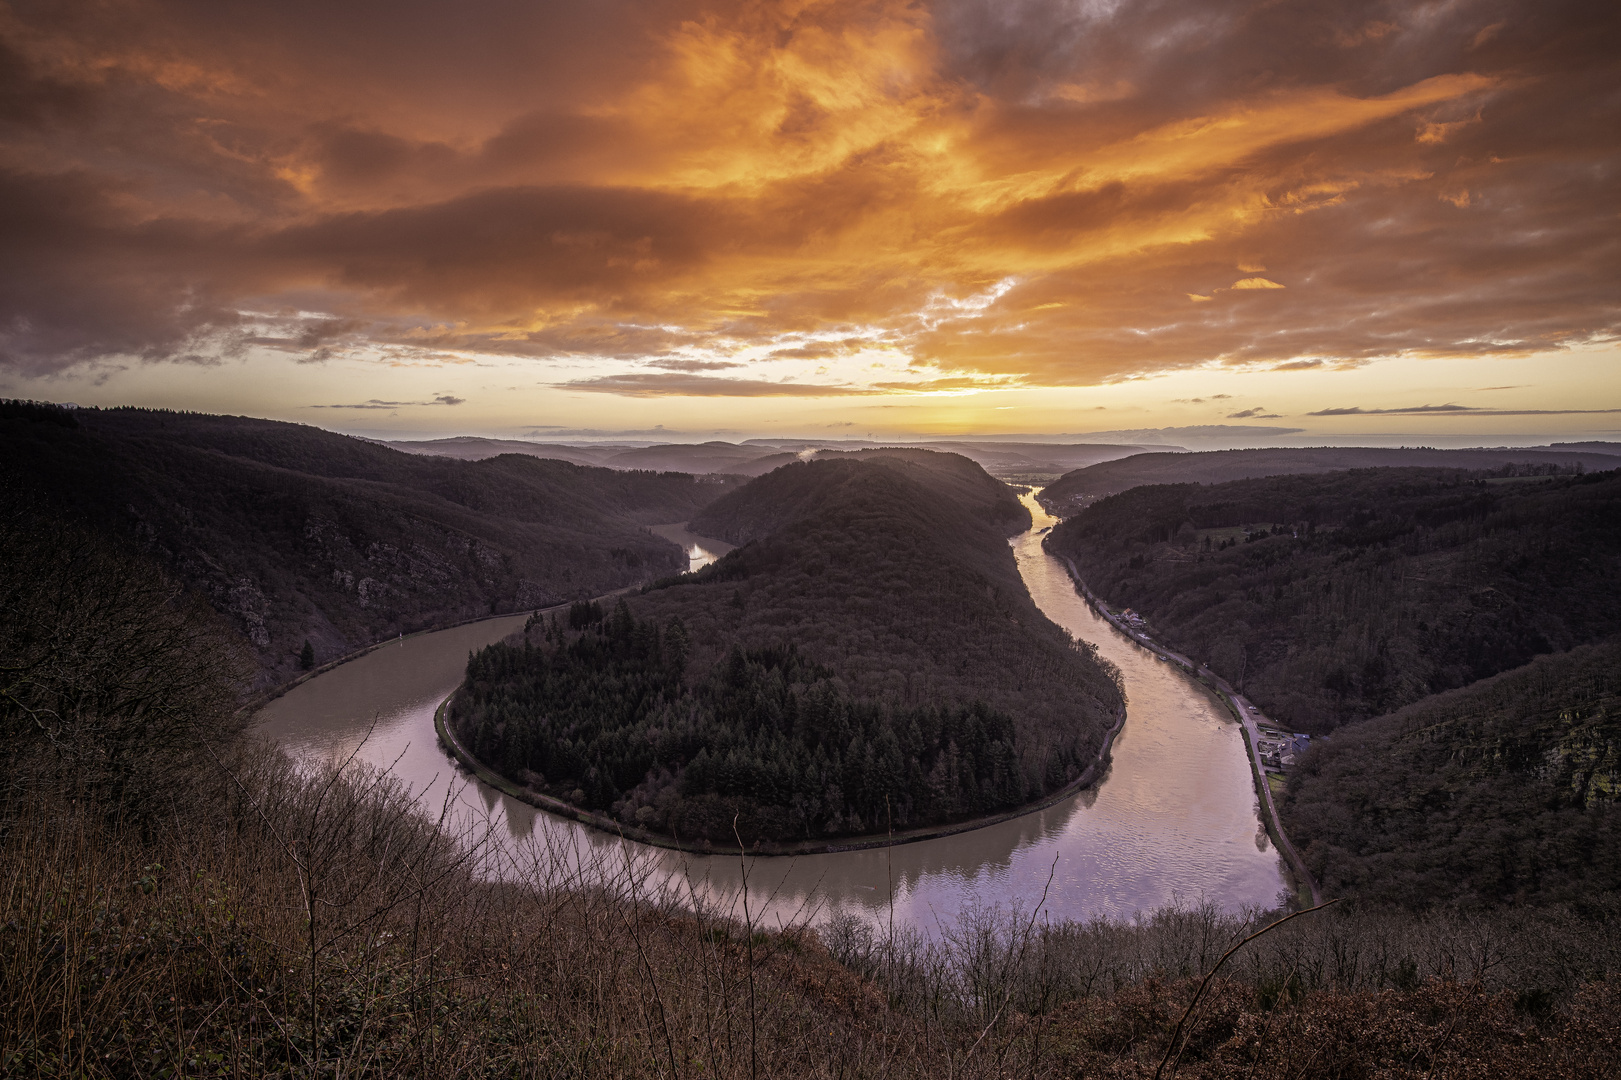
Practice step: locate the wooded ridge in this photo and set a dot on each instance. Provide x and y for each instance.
(1074, 490)
(296, 534)
(1330, 599)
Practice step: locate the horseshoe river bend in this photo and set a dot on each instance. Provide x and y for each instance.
(1175, 816)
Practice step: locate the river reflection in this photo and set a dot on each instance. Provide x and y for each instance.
(701, 550)
(1175, 815)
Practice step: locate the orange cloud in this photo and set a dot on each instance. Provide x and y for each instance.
(1039, 194)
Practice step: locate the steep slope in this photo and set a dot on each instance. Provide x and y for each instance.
(1505, 790)
(1334, 598)
(869, 655)
(1073, 491)
(296, 533)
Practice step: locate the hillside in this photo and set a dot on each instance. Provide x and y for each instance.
(1074, 491)
(790, 494)
(1503, 791)
(295, 534)
(1334, 598)
(871, 641)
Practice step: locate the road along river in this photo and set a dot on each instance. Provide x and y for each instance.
(1175, 815)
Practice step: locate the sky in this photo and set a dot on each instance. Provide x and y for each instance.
(1295, 220)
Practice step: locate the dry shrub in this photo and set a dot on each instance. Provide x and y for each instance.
(323, 924)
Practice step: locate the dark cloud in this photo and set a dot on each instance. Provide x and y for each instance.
(1456, 410)
(690, 366)
(375, 403)
(1257, 413)
(654, 384)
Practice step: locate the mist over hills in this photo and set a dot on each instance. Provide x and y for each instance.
(1077, 489)
(294, 533)
(871, 640)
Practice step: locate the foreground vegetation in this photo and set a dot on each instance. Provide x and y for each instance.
(868, 660)
(319, 926)
(295, 534)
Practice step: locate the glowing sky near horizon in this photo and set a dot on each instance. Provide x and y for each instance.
(818, 218)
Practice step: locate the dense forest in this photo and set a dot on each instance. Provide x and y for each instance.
(1334, 598)
(296, 534)
(604, 718)
(872, 637)
(1075, 490)
(1504, 791)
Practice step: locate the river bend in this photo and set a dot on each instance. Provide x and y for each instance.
(1175, 816)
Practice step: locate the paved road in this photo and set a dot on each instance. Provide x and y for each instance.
(1249, 716)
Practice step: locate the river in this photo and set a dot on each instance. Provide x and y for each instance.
(1175, 816)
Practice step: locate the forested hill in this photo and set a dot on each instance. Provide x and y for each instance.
(295, 534)
(869, 656)
(955, 483)
(1334, 598)
(1505, 791)
(1075, 490)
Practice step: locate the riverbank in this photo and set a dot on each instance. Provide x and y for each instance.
(1242, 710)
(463, 757)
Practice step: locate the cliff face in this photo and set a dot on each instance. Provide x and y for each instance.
(294, 533)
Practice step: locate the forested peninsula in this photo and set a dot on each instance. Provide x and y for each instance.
(868, 660)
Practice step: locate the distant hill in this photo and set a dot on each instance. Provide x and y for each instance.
(720, 458)
(761, 508)
(476, 448)
(1023, 459)
(1075, 490)
(756, 457)
(295, 533)
(871, 639)
(1504, 791)
(1337, 597)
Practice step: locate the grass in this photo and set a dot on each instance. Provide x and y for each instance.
(321, 924)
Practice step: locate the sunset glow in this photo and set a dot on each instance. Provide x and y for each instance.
(810, 218)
